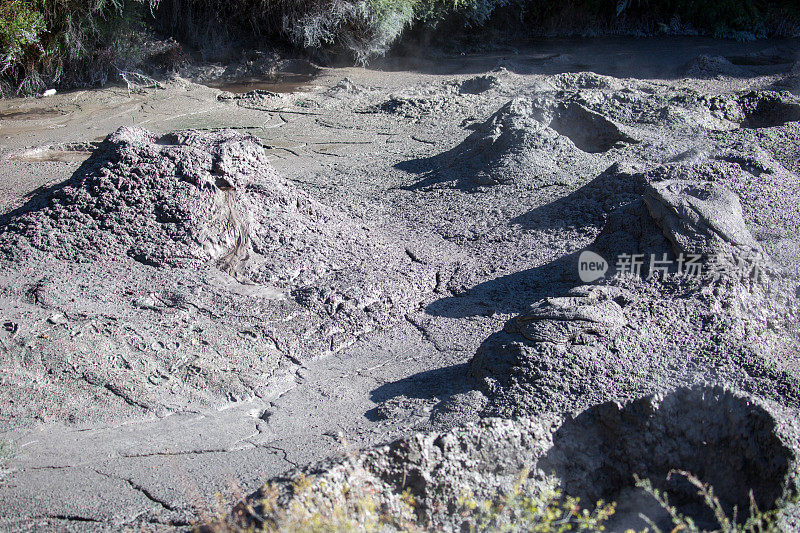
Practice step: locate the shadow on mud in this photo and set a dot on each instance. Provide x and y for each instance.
(425, 385)
(456, 165)
(511, 293)
(723, 439)
(439, 383)
(39, 198)
(621, 57)
(590, 205)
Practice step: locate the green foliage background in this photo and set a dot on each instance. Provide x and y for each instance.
(44, 42)
(69, 42)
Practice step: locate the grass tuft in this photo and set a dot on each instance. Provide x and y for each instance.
(351, 501)
(758, 521)
(356, 504)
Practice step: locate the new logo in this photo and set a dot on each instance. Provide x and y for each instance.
(591, 266)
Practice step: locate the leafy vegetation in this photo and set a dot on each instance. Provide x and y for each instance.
(360, 28)
(46, 42)
(321, 507)
(355, 503)
(526, 509)
(43, 40)
(318, 506)
(21, 27)
(722, 18)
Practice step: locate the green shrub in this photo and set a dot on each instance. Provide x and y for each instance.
(21, 27)
(720, 17)
(365, 28)
(361, 28)
(527, 509)
(757, 521)
(67, 42)
(354, 505)
(43, 40)
(317, 506)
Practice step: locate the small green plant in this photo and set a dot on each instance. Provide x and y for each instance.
(314, 506)
(367, 28)
(355, 504)
(21, 27)
(758, 522)
(45, 42)
(526, 509)
(721, 18)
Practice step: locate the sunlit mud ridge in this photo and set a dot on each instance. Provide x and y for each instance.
(500, 263)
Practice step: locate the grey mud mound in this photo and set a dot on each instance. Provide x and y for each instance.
(768, 110)
(164, 238)
(646, 330)
(567, 319)
(697, 206)
(727, 439)
(193, 199)
(756, 110)
(531, 137)
(589, 131)
(736, 442)
(167, 201)
(705, 66)
(411, 107)
(479, 84)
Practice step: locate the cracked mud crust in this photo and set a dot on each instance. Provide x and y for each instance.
(201, 290)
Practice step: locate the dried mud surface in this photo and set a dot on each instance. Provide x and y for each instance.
(204, 290)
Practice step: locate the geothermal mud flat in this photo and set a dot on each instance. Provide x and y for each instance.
(204, 290)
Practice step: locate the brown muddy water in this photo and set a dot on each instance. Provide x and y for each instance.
(35, 113)
(286, 83)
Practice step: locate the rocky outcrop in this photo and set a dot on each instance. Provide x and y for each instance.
(575, 319)
(702, 218)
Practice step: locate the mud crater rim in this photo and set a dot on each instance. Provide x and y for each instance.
(724, 439)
